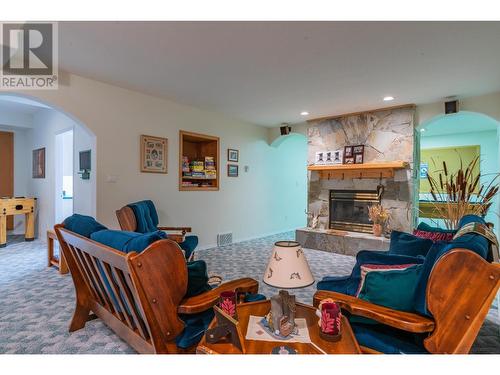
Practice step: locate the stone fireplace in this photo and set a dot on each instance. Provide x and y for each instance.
(388, 136)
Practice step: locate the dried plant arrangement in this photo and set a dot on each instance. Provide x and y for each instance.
(378, 214)
(455, 194)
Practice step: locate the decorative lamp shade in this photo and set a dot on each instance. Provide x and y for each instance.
(288, 267)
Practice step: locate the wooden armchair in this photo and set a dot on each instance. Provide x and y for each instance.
(459, 294)
(139, 296)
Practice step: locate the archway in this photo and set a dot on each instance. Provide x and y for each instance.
(38, 129)
(459, 136)
(290, 177)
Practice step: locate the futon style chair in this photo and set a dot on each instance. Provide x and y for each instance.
(141, 286)
(420, 296)
(142, 217)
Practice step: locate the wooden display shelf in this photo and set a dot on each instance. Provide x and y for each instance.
(196, 146)
(198, 178)
(368, 170)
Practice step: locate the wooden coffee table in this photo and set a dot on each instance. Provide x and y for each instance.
(346, 345)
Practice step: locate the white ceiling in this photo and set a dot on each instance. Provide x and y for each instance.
(267, 73)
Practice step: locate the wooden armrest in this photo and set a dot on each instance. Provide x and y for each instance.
(398, 319)
(204, 301)
(179, 238)
(180, 229)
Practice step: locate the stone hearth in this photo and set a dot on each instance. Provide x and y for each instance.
(339, 242)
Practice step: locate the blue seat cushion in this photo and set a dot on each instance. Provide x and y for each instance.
(388, 340)
(254, 297)
(195, 328)
(189, 245)
(82, 225)
(127, 241)
(407, 244)
(145, 216)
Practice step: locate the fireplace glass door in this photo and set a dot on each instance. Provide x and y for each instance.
(349, 209)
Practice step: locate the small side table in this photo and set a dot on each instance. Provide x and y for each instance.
(346, 345)
(52, 260)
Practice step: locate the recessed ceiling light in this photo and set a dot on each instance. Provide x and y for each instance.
(388, 98)
(304, 113)
(422, 130)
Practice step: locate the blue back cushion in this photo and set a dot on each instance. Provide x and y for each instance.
(427, 228)
(82, 225)
(127, 241)
(471, 241)
(407, 244)
(394, 289)
(467, 219)
(197, 278)
(145, 216)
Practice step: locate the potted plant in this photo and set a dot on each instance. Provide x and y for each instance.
(455, 194)
(379, 216)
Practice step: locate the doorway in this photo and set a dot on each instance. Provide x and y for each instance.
(63, 158)
(7, 169)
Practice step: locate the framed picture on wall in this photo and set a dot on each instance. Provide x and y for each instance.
(232, 170)
(39, 163)
(233, 155)
(154, 154)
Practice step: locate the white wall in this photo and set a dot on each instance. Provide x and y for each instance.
(22, 168)
(46, 124)
(249, 206)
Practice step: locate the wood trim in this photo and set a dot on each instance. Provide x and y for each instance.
(409, 106)
(398, 319)
(7, 169)
(183, 133)
(202, 302)
(368, 170)
(342, 167)
(459, 304)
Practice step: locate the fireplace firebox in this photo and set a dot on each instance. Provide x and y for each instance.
(349, 209)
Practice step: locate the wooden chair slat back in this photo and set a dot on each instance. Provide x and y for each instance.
(104, 271)
(126, 219)
(159, 275)
(460, 292)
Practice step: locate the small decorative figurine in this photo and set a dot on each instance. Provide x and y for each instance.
(281, 318)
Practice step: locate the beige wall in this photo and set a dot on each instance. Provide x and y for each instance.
(486, 104)
(249, 206)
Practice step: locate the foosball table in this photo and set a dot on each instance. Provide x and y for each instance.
(17, 206)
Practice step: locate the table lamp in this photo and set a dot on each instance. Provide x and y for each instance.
(287, 267)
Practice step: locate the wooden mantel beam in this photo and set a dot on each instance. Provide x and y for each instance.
(368, 170)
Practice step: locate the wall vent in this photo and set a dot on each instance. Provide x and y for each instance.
(224, 239)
